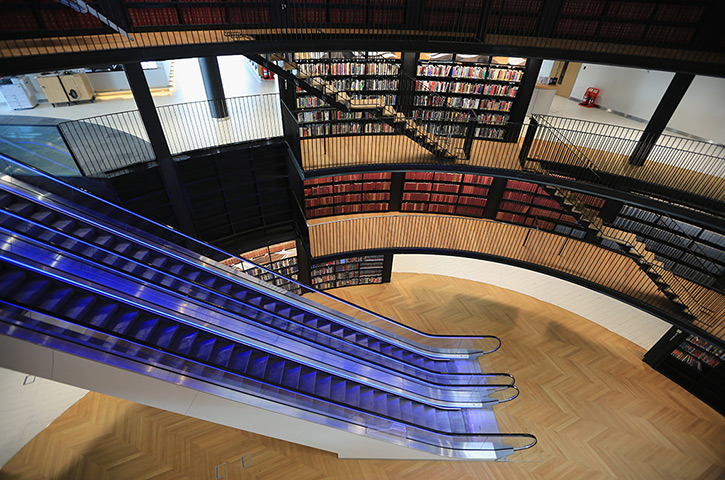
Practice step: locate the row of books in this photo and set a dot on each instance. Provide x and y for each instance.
(346, 188)
(505, 74)
(347, 208)
(442, 208)
(490, 133)
(526, 221)
(704, 357)
(462, 102)
(473, 72)
(530, 198)
(327, 115)
(351, 68)
(465, 87)
(687, 359)
(344, 128)
(707, 346)
(346, 198)
(449, 177)
(350, 282)
(439, 198)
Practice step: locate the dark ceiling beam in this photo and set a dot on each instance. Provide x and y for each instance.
(41, 63)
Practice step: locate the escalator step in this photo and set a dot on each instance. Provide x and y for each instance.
(64, 225)
(9, 281)
(225, 288)
(32, 291)
(352, 395)
(241, 359)
(457, 421)
(186, 341)
(176, 268)
(406, 410)
(122, 247)
(102, 314)
(146, 328)
(166, 335)
(159, 262)
(258, 365)
(366, 398)
(309, 382)
(380, 402)
(394, 407)
(338, 390)
(205, 348)
(141, 254)
(275, 370)
(104, 240)
(223, 354)
(122, 322)
(43, 216)
(85, 232)
(291, 377)
(81, 307)
(443, 420)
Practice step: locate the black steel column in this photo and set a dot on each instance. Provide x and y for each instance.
(397, 183)
(213, 86)
(406, 86)
(493, 199)
(167, 167)
(661, 117)
(523, 98)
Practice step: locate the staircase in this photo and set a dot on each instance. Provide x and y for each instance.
(440, 147)
(91, 282)
(626, 242)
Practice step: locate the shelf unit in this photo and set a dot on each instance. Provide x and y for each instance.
(698, 353)
(453, 193)
(684, 249)
(281, 258)
(345, 272)
(454, 89)
(366, 192)
(529, 204)
(368, 77)
(694, 362)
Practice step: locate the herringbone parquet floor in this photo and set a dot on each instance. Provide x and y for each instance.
(597, 410)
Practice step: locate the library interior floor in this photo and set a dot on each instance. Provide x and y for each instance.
(597, 410)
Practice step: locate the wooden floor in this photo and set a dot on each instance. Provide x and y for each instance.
(597, 410)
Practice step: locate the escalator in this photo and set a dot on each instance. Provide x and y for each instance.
(76, 269)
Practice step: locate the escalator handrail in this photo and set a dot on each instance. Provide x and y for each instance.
(293, 391)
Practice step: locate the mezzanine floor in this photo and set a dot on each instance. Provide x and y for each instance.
(597, 410)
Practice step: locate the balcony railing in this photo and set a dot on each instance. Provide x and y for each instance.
(686, 32)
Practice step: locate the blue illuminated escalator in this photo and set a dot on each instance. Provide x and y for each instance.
(84, 275)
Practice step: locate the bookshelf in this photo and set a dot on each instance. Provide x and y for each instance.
(341, 194)
(449, 89)
(349, 271)
(281, 258)
(361, 76)
(687, 250)
(694, 362)
(529, 204)
(452, 193)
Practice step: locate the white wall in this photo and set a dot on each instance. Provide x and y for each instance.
(702, 110)
(628, 90)
(545, 70)
(28, 404)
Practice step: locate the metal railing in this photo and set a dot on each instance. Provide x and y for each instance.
(663, 31)
(108, 143)
(610, 270)
(687, 171)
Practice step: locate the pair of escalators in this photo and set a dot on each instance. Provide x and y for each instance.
(86, 276)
